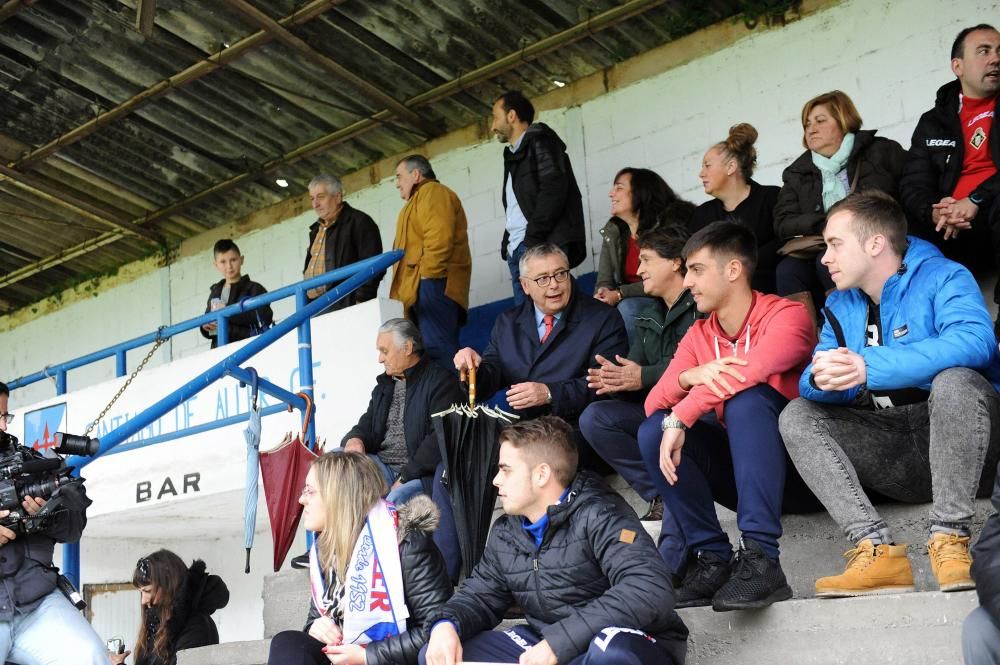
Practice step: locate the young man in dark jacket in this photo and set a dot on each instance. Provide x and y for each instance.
(540, 195)
(341, 236)
(231, 289)
(950, 185)
(573, 556)
(981, 630)
(611, 426)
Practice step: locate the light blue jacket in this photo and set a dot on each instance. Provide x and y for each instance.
(933, 318)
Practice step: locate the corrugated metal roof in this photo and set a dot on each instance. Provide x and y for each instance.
(222, 106)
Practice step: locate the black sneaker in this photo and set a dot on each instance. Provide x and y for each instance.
(300, 561)
(756, 582)
(655, 511)
(704, 577)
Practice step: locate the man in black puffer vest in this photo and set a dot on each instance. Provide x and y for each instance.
(540, 196)
(574, 556)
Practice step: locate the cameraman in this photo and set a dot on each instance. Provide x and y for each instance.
(37, 623)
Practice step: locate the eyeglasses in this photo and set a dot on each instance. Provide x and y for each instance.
(560, 276)
(308, 492)
(7, 417)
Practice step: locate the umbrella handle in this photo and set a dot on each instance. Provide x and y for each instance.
(308, 417)
(247, 569)
(472, 386)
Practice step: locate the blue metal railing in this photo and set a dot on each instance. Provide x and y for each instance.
(353, 276)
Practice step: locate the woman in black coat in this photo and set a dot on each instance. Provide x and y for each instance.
(343, 498)
(839, 158)
(177, 604)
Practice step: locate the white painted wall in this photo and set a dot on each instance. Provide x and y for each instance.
(889, 56)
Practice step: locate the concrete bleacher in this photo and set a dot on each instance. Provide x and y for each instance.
(921, 628)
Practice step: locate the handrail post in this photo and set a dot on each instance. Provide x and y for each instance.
(222, 331)
(121, 369)
(71, 551)
(306, 364)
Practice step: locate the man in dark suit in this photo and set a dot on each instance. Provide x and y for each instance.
(541, 350)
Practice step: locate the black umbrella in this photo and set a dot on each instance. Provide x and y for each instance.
(469, 437)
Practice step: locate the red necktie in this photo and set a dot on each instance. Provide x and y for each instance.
(549, 321)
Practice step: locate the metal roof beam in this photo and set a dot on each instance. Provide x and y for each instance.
(69, 201)
(194, 72)
(12, 7)
(263, 21)
(145, 17)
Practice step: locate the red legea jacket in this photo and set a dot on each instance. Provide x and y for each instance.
(777, 340)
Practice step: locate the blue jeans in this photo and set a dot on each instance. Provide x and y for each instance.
(56, 633)
(612, 429)
(404, 492)
(513, 259)
(439, 319)
(629, 308)
(741, 466)
(610, 646)
(980, 639)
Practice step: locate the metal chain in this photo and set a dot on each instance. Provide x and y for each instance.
(159, 342)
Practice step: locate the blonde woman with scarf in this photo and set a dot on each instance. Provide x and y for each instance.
(374, 572)
(840, 158)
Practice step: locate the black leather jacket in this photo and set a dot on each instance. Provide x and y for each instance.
(546, 190)
(425, 584)
(242, 325)
(353, 237)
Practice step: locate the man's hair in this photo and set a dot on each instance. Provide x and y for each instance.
(4, 390)
(667, 241)
(958, 46)
(418, 163)
(546, 439)
(332, 183)
(404, 330)
(514, 100)
(875, 212)
(538, 252)
(841, 108)
(728, 240)
(225, 245)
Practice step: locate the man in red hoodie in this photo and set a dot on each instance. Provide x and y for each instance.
(717, 407)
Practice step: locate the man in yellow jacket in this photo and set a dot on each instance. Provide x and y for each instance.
(432, 278)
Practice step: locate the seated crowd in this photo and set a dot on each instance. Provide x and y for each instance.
(819, 345)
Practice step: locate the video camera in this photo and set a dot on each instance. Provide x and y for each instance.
(26, 472)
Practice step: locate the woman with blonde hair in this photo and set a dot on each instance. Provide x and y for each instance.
(727, 176)
(177, 604)
(374, 572)
(840, 158)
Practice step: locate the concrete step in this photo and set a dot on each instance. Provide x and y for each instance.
(286, 601)
(914, 628)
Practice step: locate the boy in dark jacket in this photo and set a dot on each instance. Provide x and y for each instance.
(573, 556)
(231, 289)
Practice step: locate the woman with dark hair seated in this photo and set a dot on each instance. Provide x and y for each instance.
(840, 158)
(726, 174)
(177, 604)
(374, 572)
(640, 200)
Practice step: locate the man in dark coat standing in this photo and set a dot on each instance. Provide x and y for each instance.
(542, 349)
(540, 195)
(572, 554)
(341, 236)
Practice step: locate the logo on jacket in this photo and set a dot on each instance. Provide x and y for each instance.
(940, 143)
(978, 138)
(901, 331)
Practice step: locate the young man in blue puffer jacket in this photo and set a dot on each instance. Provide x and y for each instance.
(900, 398)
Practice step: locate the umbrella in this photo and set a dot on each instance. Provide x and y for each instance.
(283, 470)
(252, 435)
(469, 438)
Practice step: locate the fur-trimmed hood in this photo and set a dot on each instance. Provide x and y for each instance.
(417, 514)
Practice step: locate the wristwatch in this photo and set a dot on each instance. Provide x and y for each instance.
(548, 395)
(976, 198)
(670, 421)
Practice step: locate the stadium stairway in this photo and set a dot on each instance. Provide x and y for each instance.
(921, 628)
